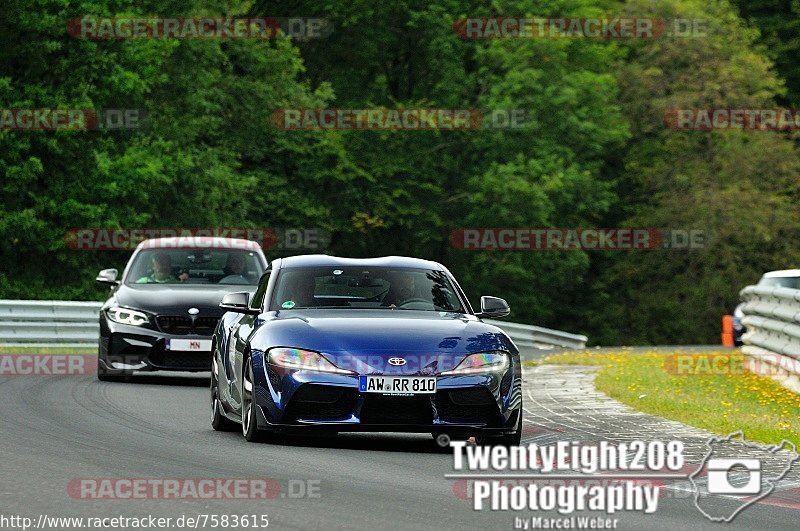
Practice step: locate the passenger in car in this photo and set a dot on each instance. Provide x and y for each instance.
(162, 271)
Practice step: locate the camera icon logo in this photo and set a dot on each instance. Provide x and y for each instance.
(742, 472)
(725, 476)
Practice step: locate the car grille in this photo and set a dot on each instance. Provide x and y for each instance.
(103, 345)
(182, 325)
(312, 401)
(274, 379)
(467, 405)
(166, 359)
(505, 385)
(379, 409)
(174, 324)
(116, 350)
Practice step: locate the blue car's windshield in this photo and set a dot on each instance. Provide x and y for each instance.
(359, 287)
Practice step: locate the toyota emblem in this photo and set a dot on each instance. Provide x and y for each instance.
(397, 362)
(193, 311)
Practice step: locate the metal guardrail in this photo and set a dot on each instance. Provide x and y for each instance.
(772, 320)
(531, 336)
(74, 324)
(49, 323)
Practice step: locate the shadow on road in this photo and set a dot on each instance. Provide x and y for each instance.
(201, 379)
(382, 442)
(379, 441)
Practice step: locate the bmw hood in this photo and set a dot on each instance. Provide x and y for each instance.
(172, 298)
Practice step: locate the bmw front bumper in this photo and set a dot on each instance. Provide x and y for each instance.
(136, 348)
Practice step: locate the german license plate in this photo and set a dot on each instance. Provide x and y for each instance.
(198, 345)
(397, 385)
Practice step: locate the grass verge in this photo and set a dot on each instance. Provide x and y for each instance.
(708, 390)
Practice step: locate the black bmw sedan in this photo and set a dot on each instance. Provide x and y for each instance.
(163, 311)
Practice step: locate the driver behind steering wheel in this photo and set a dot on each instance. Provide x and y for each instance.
(403, 290)
(234, 270)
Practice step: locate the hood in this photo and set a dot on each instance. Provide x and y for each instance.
(161, 299)
(427, 341)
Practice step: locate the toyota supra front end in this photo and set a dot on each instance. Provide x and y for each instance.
(330, 345)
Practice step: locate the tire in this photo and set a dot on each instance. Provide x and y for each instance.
(219, 421)
(508, 439)
(249, 420)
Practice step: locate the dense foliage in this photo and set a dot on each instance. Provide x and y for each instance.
(595, 152)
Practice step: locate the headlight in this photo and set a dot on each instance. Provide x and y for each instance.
(481, 362)
(127, 316)
(295, 358)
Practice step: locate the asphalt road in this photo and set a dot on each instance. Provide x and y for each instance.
(57, 429)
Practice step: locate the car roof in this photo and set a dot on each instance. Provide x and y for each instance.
(324, 260)
(783, 273)
(194, 242)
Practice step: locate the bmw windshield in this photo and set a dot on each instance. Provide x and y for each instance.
(195, 266)
(373, 288)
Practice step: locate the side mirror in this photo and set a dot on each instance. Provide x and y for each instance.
(493, 307)
(238, 302)
(108, 276)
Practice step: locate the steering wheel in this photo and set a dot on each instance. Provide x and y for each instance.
(409, 301)
(233, 279)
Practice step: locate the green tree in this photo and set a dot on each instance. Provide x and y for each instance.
(207, 155)
(739, 187)
(778, 22)
(422, 185)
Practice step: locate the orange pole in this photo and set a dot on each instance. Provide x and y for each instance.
(727, 330)
(727, 324)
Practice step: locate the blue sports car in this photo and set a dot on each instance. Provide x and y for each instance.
(329, 344)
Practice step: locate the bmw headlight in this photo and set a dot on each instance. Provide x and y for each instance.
(296, 358)
(127, 316)
(481, 362)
